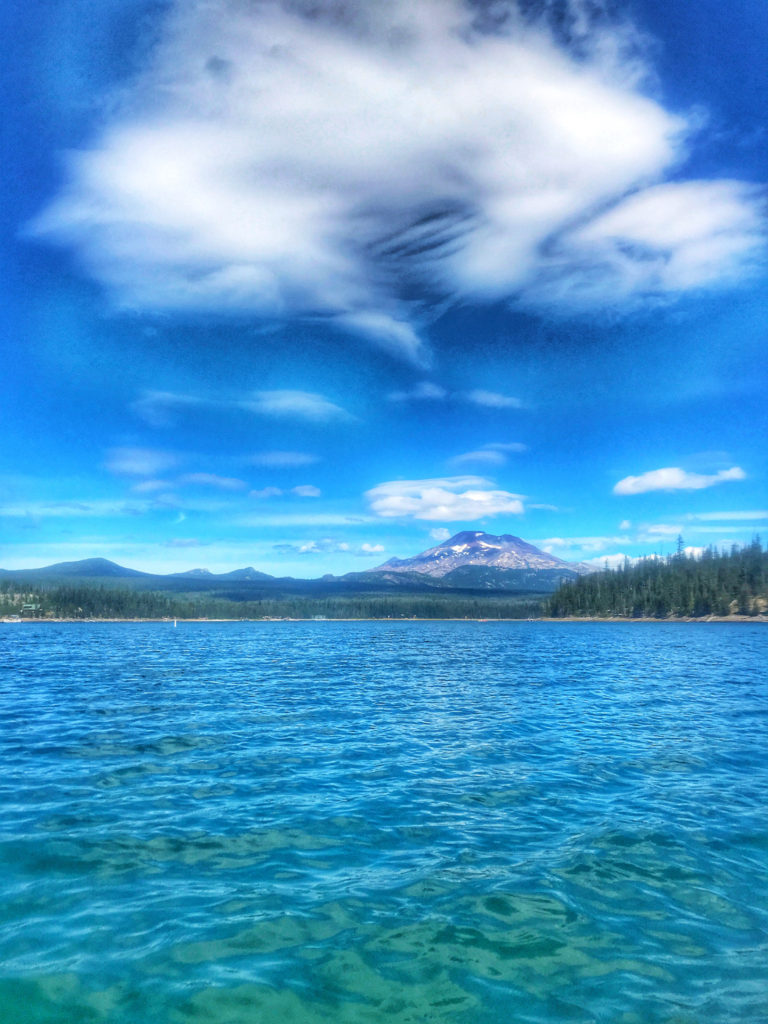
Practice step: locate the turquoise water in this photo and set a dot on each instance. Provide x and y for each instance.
(370, 822)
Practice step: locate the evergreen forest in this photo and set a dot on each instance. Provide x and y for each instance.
(682, 585)
(89, 601)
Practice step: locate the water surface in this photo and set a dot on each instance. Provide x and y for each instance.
(461, 823)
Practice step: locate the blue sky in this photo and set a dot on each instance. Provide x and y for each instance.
(304, 286)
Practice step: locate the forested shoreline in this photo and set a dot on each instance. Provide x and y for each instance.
(680, 586)
(710, 584)
(85, 601)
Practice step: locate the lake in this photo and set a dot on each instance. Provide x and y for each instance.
(369, 822)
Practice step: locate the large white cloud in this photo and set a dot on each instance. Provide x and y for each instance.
(363, 161)
(445, 499)
(672, 478)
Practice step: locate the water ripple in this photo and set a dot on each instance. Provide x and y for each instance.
(460, 823)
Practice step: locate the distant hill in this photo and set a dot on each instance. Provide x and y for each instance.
(91, 568)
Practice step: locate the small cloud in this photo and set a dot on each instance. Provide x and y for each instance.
(425, 391)
(625, 524)
(654, 531)
(390, 333)
(440, 534)
(482, 455)
(139, 461)
(266, 492)
(159, 408)
(506, 446)
(281, 459)
(492, 399)
(314, 547)
(151, 486)
(490, 454)
(295, 405)
(608, 561)
(371, 549)
(450, 499)
(222, 483)
(673, 478)
(596, 543)
(184, 542)
(306, 491)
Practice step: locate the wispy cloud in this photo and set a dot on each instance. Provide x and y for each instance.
(666, 239)
(672, 478)
(160, 408)
(295, 405)
(152, 486)
(651, 532)
(265, 492)
(492, 399)
(482, 455)
(428, 391)
(312, 547)
(327, 545)
(140, 461)
(286, 519)
(366, 162)
(283, 460)
(594, 543)
(494, 454)
(75, 509)
(446, 499)
(306, 491)
(222, 483)
(424, 391)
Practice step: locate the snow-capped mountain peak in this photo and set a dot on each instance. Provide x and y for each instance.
(474, 547)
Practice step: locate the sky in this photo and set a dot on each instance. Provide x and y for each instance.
(306, 285)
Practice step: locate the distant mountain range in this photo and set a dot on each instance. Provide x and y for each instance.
(469, 561)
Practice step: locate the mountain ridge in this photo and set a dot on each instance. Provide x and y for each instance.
(468, 561)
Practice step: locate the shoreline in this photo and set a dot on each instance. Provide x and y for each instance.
(763, 619)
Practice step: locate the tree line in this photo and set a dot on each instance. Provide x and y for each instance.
(687, 585)
(81, 601)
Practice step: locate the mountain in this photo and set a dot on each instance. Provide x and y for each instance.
(245, 574)
(100, 568)
(475, 548)
(236, 574)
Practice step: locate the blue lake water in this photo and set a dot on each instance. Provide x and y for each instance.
(459, 823)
